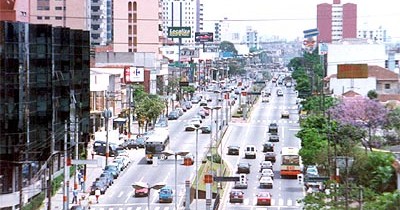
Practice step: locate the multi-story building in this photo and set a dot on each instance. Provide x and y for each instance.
(377, 35)
(336, 21)
(14, 11)
(44, 88)
(251, 38)
(60, 13)
(188, 13)
(136, 26)
(99, 27)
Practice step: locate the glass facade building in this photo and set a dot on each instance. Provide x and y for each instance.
(44, 85)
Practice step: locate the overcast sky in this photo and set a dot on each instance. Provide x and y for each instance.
(289, 18)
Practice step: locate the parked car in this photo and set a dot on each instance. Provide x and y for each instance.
(195, 100)
(188, 104)
(180, 111)
(243, 168)
(236, 196)
(233, 150)
(113, 170)
(98, 185)
(268, 147)
(264, 199)
(105, 180)
(108, 176)
(173, 115)
(312, 170)
(202, 114)
(203, 103)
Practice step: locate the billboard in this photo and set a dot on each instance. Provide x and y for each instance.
(352, 71)
(203, 37)
(133, 74)
(179, 32)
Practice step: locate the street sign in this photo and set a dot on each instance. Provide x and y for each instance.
(179, 32)
(311, 32)
(226, 178)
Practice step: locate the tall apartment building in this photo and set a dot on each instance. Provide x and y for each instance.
(336, 21)
(60, 13)
(252, 40)
(136, 26)
(99, 18)
(44, 86)
(185, 13)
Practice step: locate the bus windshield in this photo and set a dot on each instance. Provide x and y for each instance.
(290, 160)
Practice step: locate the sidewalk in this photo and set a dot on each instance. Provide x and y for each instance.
(92, 172)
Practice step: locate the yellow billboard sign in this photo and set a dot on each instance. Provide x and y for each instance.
(352, 71)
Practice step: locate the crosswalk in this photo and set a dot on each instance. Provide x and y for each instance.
(247, 202)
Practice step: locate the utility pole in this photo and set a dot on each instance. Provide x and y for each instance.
(76, 178)
(66, 171)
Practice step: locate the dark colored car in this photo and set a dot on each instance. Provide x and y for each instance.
(273, 128)
(173, 115)
(78, 207)
(203, 103)
(236, 196)
(108, 176)
(113, 170)
(268, 147)
(274, 137)
(105, 180)
(270, 156)
(205, 129)
(98, 185)
(243, 168)
(233, 150)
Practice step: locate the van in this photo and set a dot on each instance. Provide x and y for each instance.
(250, 152)
(165, 195)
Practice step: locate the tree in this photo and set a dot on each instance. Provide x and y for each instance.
(360, 112)
(372, 94)
(314, 103)
(226, 46)
(148, 108)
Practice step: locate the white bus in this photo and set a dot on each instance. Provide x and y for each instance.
(156, 144)
(291, 162)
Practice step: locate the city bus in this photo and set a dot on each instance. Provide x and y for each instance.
(156, 144)
(291, 162)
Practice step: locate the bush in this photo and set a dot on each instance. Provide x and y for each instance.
(35, 202)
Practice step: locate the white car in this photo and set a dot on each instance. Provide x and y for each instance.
(266, 182)
(266, 164)
(267, 172)
(195, 122)
(285, 114)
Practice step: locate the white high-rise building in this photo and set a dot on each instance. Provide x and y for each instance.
(377, 35)
(185, 13)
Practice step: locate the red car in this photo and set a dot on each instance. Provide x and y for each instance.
(142, 192)
(264, 199)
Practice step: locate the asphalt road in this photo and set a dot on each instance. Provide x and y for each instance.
(120, 196)
(285, 192)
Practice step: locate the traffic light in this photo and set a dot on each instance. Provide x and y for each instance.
(243, 179)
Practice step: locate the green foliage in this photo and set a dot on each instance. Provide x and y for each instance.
(188, 89)
(372, 94)
(314, 103)
(384, 201)
(35, 203)
(393, 121)
(380, 176)
(226, 46)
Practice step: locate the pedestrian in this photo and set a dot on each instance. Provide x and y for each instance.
(82, 182)
(92, 154)
(75, 196)
(97, 194)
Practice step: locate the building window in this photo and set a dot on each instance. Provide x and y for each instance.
(58, 18)
(47, 17)
(58, 8)
(387, 86)
(39, 17)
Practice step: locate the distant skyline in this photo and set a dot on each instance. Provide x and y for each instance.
(289, 18)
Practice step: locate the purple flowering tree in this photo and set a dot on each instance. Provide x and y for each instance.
(360, 112)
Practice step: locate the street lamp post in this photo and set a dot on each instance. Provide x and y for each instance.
(176, 154)
(197, 163)
(141, 185)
